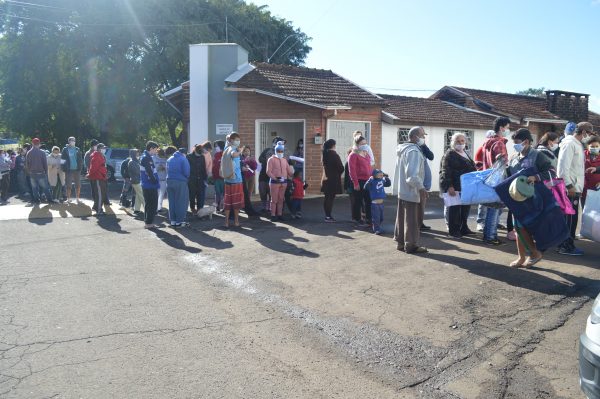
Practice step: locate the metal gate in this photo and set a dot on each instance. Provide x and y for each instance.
(342, 132)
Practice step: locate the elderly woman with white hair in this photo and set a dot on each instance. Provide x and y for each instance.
(455, 163)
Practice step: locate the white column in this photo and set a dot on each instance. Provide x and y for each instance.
(198, 94)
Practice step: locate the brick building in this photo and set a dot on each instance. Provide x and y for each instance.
(260, 101)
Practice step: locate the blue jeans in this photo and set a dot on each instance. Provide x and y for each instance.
(490, 229)
(39, 181)
(481, 210)
(376, 216)
(178, 194)
(296, 206)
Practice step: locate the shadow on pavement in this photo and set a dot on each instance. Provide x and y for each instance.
(175, 241)
(40, 215)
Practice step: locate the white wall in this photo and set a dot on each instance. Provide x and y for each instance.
(435, 141)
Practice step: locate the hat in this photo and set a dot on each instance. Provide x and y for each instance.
(490, 133)
(570, 128)
(35, 141)
(376, 172)
(279, 146)
(94, 142)
(55, 148)
(100, 146)
(520, 189)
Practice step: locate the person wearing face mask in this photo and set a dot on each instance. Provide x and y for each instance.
(231, 170)
(455, 163)
(88, 155)
(73, 162)
(263, 178)
(592, 167)
(150, 184)
(98, 177)
(299, 153)
(198, 178)
(548, 145)
(571, 168)
(357, 134)
(408, 185)
(56, 175)
(526, 157)
(21, 174)
(359, 171)
(279, 171)
(4, 177)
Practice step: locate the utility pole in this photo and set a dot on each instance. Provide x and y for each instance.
(226, 31)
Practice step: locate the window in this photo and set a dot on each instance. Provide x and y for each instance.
(403, 135)
(467, 133)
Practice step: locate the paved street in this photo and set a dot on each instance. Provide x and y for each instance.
(98, 308)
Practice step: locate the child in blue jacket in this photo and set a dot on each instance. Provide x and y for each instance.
(376, 186)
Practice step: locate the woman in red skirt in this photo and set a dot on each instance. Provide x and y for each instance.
(232, 173)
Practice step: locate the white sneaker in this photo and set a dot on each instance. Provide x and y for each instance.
(480, 226)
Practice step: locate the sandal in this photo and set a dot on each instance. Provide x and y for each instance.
(517, 263)
(532, 262)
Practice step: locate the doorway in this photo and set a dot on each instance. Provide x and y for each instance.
(342, 132)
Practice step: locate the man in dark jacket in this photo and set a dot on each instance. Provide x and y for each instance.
(36, 164)
(428, 154)
(73, 162)
(150, 184)
(197, 179)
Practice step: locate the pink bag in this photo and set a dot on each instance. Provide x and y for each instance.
(558, 188)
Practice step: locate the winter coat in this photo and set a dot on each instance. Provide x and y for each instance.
(251, 164)
(491, 148)
(55, 170)
(331, 182)
(36, 162)
(66, 166)
(178, 168)
(550, 154)
(410, 172)
(359, 168)
(97, 169)
(198, 173)
(532, 159)
(231, 168)
(208, 162)
(453, 167)
(376, 187)
(592, 179)
(298, 188)
(571, 163)
(161, 167)
(428, 154)
(134, 169)
(148, 175)
(216, 166)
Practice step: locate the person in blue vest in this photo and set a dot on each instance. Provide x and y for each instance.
(150, 184)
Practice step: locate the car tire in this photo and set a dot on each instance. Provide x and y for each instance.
(110, 173)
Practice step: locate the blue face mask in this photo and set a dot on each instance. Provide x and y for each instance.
(518, 147)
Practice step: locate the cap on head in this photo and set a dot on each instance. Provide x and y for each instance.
(100, 146)
(280, 147)
(71, 138)
(570, 128)
(376, 172)
(94, 142)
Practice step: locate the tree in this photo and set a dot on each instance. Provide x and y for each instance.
(96, 69)
(532, 92)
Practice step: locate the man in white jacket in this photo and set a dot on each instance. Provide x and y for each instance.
(408, 184)
(571, 168)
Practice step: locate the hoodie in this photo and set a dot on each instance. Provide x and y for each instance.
(97, 170)
(133, 167)
(492, 147)
(410, 172)
(571, 163)
(178, 167)
(377, 186)
(148, 174)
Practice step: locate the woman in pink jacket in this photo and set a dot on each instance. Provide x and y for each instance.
(279, 171)
(359, 169)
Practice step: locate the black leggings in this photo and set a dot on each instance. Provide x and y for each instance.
(362, 200)
(151, 203)
(328, 204)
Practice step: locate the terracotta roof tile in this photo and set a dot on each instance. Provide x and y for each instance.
(319, 86)
(512, 104)
(435, 112)
(594, 119)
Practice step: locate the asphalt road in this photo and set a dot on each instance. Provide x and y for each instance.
(98, 308)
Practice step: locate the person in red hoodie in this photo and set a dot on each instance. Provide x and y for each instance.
(592, 167)
(494, 149)
(219, 146)
(297, 194)
(97, 177)
(359, 170)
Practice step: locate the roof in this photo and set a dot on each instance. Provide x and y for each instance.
(318, 87)
(594, 119)
(517, 105)
(435, 112)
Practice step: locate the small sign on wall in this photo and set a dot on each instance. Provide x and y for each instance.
(224, 129)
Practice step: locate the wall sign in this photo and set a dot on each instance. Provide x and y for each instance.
(224, 129)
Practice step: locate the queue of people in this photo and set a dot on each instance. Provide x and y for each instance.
(157, 174)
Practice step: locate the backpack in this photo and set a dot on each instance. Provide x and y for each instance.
(125, 168)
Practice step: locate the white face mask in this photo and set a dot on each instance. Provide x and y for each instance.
(554, 147)
(72, 143)
(236, 143)
(103, 151)
(279, 154)
(94, 148)
(421, 141)
(459, 147)
(507, 133)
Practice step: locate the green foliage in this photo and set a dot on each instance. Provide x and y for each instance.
(95, 69)
(533, 92)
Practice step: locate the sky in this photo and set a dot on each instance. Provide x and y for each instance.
(415, 45)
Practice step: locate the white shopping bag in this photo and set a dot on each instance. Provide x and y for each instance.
(590, 219)
(450, 200)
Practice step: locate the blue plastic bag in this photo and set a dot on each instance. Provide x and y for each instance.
(475, 191)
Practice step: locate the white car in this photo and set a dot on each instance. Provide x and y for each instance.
(589, 354)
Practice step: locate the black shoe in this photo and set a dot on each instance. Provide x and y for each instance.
(281, 218)
(493, 241)
(454, 235)
(468, 233)
(424, 227)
